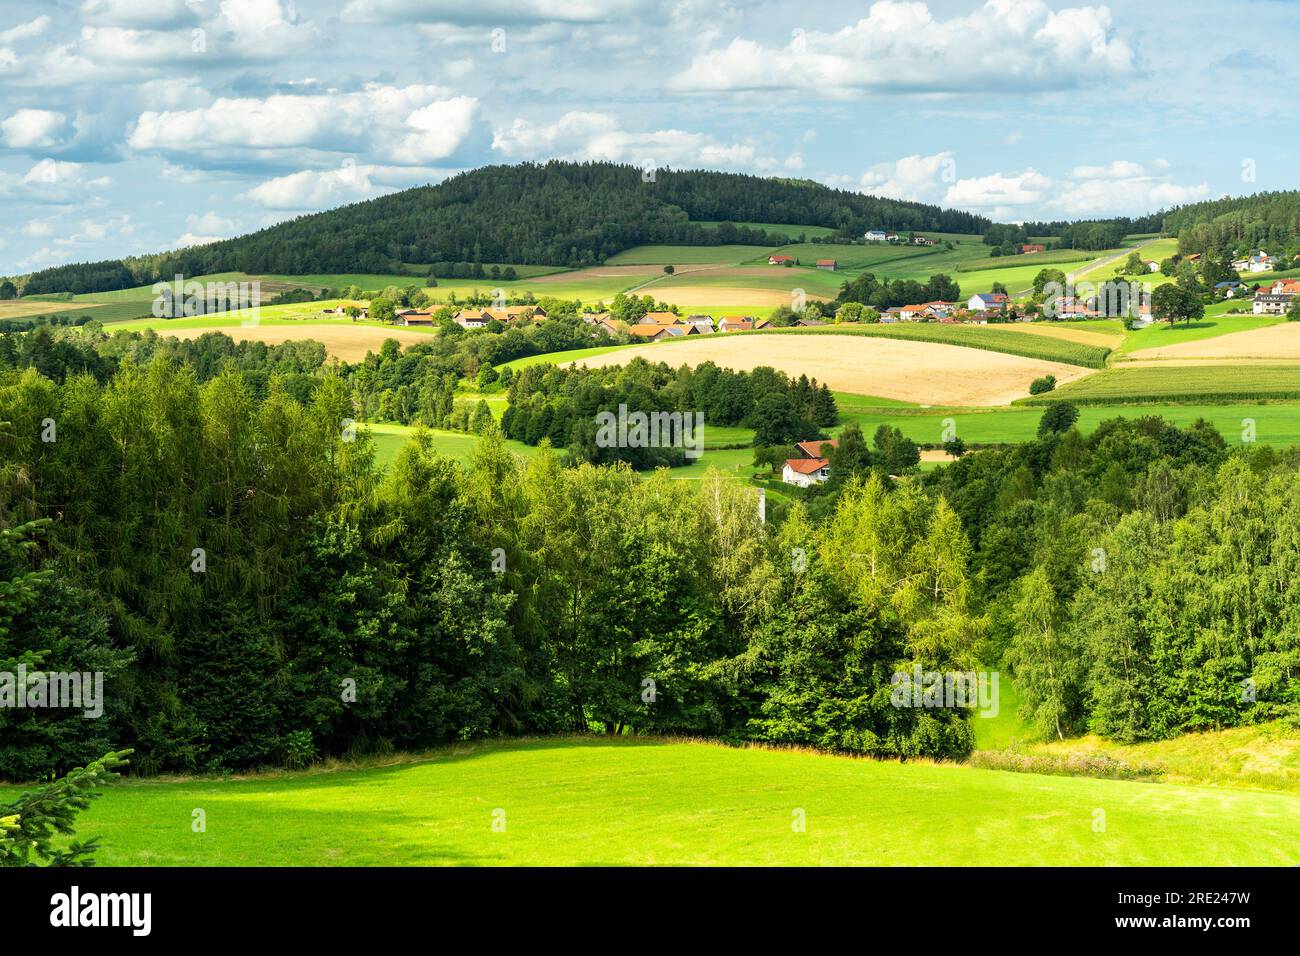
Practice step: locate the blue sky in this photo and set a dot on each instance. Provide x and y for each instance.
(131, 126)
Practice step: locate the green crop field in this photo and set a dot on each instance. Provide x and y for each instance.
(789, 231)
(687, 255)
(587, 801)
(1275, 424)
(1051, 257)
(989, 338)
(1195, 384)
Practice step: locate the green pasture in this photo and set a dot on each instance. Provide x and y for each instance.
(643, 801)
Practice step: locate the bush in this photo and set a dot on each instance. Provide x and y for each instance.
(1040, 385)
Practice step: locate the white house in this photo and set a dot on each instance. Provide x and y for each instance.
(875, 235)
(805, 471)
(1268, 303)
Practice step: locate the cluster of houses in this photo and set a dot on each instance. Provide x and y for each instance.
(1277, 298)
(978, 308)
(1259, 262)
(669, 325)
(812, 467)
(881, 235)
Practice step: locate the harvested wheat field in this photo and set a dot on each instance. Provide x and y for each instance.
(22, 308)
(924, 372)
(349, 342)
(1272, 342)
(713, 295)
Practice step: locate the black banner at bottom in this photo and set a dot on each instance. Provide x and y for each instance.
(334, 905)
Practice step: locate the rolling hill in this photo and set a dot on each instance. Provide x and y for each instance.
(557, 213)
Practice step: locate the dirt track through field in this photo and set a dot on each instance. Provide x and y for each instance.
(923, 372)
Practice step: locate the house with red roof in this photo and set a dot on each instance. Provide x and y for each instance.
(803, 472)
(779, 260)
(829, 264)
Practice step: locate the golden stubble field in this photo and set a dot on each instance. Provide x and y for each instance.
(1275, 343)
(927, 373)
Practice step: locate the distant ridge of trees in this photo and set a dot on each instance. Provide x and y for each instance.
(555, 213)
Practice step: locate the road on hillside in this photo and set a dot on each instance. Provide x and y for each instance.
(1098, 263)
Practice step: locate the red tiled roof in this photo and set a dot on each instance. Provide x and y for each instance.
(806, 466)
(813, 449)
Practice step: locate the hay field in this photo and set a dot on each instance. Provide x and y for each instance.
(1272, 342)
(923, 372)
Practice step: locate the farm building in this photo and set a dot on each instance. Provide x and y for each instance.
(662, 318)
(735, 323)
(1029, 248)
(779, 260)
(874, 235)
(415, 317)
(829, 264)
(987, 301)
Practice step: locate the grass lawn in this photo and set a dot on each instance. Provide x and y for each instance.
(586, 801)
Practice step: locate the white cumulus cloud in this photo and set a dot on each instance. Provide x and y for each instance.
(901, 47)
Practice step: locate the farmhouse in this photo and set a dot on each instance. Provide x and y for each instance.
(1029, 248)
(595, 318)
(702, 323)
(816, 449)
(662, 318)
(829, 264)
(921, 241)
(415, 317)
(472, 318)
(874, 235)
(813, 468)
(805, 471)
(648, 330)
(779, 260)
(987, 301)
(1286, 287)
(735, 323)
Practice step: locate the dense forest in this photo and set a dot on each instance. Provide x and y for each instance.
(1269, 221)
(556, 213)
(562, 405)
(198, 522)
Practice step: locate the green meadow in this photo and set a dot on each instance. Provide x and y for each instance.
(687, 255)
(645, 801)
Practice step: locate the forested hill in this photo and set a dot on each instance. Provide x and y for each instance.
(557, 213)
(1270, 220)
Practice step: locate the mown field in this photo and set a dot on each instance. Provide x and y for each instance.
(1180, 383)
(584, 801)
(985, 337)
